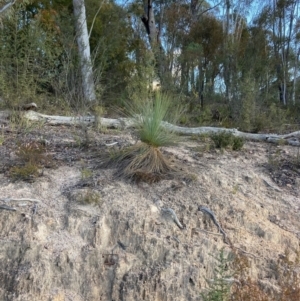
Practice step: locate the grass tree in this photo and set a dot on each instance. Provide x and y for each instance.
(145, 159)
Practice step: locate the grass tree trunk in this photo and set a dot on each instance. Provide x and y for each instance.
(84, 51)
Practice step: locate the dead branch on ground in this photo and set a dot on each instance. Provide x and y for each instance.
(122, 123)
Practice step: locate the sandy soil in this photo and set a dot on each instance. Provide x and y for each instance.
(254, 194)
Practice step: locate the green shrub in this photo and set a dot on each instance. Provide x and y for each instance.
(219, 286)
(27, 172)
(32, 157)
(225, 139)
(205, 116)
(222, 140)
(237, 143)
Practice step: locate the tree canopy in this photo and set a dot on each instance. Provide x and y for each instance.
(225, 60)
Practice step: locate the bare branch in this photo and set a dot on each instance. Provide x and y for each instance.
(94, 19)
(6, 6)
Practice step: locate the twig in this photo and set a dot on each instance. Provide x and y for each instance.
(242, 250)
(4, 207)
(175, 238)
(111, 144)
(34, 209)
(6, 6)
(209, 232)
(121, 245)
(20, 200)
(245, 252)
(94, 19)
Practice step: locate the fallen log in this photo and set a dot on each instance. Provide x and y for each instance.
(79, 120)
(122, 123)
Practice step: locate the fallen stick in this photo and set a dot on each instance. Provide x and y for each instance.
(20, 200)
(4, 207)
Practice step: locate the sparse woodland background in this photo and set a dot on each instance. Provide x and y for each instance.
(231, 63)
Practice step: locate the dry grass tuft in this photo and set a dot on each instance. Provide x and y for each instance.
(27, 172)
(32, 158)
(143, 162)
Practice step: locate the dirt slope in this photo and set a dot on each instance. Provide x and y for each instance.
(58, 247)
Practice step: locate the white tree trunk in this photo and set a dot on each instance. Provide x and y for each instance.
(295, 73)
(84, 50)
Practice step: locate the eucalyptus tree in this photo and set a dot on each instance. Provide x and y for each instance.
(296, 59)
(206, 36)
(113, 43)
(284, 20)
(30, 51)
(234, 20)
(279, 19)
(154, 32)
(177, 55)
(177, 21)
(83, 43)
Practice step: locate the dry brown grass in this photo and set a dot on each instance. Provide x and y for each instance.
(247, 289)
(143, 162)
(32, 158)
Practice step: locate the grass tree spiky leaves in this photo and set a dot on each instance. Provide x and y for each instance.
(145, 161)
(150, 117)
